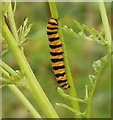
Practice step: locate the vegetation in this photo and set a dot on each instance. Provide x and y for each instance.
(32, 82)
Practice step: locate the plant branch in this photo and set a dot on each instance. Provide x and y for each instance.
(71, 109)
(7, 68)
(33, 85)
(18, 93)
(64, 95)
(98, 67)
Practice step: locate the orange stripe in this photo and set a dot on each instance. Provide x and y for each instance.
(53, 21)
(52, 26)
(57, 64)
(61, 78)
(48, 30)
(54, 35)
(59, 71)
(56, 42)
(58, 49)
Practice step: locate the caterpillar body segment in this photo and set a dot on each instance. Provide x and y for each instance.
(56, 53)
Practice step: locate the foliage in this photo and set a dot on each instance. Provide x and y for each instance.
(87, 33)
(23, 31)
(24, 77)
(97, 66)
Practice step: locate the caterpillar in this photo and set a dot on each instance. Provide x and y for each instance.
(56, 53)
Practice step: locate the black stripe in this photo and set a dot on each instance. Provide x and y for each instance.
(57, 60)
(58, 67)
(60, 74)
(52, 23)
(51, 33)
(55, 46)
(56, 53)
(50, 28)
(53, 39)
(55, 19)
(64, 85)
(61, 81)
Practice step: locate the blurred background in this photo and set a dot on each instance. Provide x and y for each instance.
(81, 53)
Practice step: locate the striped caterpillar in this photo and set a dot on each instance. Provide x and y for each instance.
(56, 53)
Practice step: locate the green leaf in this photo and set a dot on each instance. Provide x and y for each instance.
(23, 31)
(104, 59)
(63, 94)
(91, 77)
(97, 65)
(78, 24)
(71, 32)
(87, 33)
(71, 109)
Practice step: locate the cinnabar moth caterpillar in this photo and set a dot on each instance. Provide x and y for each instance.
(56, 53)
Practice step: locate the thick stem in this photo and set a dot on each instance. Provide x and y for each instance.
(53, 9)
(72, 90)
(24, 101)
(33, 85)
(105, 22)
(24, 65)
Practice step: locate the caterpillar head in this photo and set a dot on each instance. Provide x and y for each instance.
(53, 20)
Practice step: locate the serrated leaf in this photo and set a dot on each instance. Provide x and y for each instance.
(91, 77)
(94, 34)
(23, 31)
(27, 30)
(71, 109)
(77, 24)
(25, 22)
(104, 59)
(86, 28)
(97, 65)
(70, 31)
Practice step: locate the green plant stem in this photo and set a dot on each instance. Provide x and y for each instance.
(24, 101)
(18, 93)
(53, 9)
(33, 84)
(92, 89)
(91, 95)
(88, 113)
(108, 36)
(12, 23)
(72, 91)
(105, 22)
